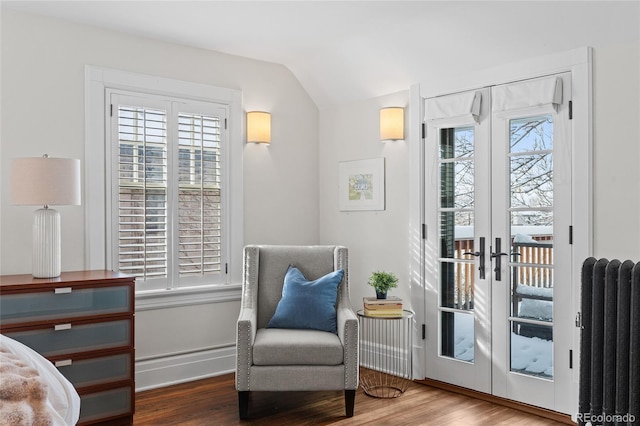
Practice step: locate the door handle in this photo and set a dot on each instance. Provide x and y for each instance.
(497, 255)
(481, 256)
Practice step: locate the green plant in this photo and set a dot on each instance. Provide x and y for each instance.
(383, 281)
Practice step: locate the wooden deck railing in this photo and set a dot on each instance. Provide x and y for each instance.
(533, 260)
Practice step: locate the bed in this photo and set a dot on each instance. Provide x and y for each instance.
(32, 390)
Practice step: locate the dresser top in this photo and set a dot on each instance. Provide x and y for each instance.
(96, 276)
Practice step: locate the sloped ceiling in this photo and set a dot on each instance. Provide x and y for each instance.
(344, 51)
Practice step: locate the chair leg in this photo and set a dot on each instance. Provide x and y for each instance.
(243, 404)
(350, 401)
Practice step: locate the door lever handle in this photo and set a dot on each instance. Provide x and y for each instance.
(480, 254)
(497, 255)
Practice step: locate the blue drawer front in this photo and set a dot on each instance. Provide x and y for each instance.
(78, 338)
(96, 371)
(64, 303)
(97, 405)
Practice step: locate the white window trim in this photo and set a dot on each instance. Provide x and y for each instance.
(579, 63)
(97, 80)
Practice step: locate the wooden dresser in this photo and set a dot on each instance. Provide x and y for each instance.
(83, 323)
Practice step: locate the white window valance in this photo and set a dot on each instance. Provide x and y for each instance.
(541, 92)
(456, 106)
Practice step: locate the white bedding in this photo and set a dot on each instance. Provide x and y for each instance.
(22, 400)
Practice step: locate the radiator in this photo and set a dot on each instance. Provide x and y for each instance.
(609, 390)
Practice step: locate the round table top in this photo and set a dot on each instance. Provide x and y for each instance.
(405, 314)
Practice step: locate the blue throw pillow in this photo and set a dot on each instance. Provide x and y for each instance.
(308, 304)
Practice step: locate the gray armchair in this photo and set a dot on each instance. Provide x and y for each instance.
(278, 359)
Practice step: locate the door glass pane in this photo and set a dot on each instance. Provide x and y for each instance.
(456, 231)
(457, 337)
(531, 180)
(532, 350)
(458, 292)
(531, 260)
(457, 269)
(457, 184)
(531, 134)
(461, 146)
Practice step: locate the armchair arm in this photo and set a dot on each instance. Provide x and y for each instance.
(248, 318)
(348, 334)
(347, 322)
(246, 334)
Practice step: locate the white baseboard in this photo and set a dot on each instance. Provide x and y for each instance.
(174, 369)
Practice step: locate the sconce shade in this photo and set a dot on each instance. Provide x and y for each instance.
(392, 123)
(45, 181)
(258, 127)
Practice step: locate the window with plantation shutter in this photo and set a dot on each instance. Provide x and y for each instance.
(168, 227)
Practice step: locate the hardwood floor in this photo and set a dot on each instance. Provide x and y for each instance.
(214, 401)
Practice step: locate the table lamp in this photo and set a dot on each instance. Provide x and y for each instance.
(45, 182)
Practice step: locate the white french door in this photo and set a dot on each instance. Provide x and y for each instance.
(498, 212)
(458, 197)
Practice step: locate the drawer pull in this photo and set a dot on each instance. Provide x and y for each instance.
(63, 363)
(59, 327)
(62, 290)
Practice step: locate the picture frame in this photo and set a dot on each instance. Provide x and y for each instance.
(362, 185)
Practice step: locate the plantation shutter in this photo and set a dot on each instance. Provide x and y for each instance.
(142, 192)
(167, 202)
(199, 203)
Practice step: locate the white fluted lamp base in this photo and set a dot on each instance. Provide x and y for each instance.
(46, 261)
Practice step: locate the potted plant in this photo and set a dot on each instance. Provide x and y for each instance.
(382, 282)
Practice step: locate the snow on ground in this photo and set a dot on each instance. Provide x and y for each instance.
(529, 355)
(463, 329)
(529, 290)
(536, 309)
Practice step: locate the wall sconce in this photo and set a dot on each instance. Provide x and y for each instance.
(45, 181)
(392, 123)
(258, 127)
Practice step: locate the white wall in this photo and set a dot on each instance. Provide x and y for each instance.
(377, 240)
(616, 172)
(42, 109)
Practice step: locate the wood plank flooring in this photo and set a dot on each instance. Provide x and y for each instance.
(214, 401)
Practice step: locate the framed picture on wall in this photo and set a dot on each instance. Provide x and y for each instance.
(361, 185)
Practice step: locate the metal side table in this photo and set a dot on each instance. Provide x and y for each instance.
(385, 354)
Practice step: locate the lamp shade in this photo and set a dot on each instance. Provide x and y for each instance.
(45, 181)
(258, 127)
(391, 123)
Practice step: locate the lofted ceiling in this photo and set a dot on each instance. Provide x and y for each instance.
(343, 51)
